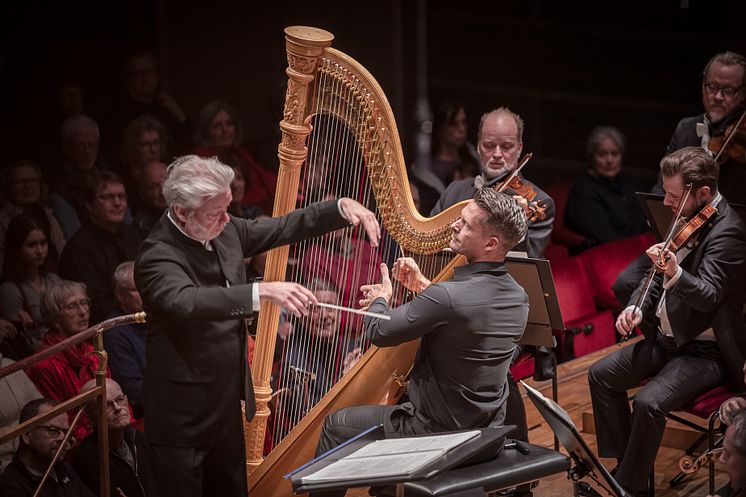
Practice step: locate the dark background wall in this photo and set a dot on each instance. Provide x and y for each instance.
(564, 67)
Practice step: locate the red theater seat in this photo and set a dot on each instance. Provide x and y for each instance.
(603, 263)
(586, 328)
(561, 234)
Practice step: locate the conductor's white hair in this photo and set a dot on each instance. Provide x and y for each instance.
(191, 180)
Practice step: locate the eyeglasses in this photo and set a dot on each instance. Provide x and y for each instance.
(119, 401)
(52, 431)
(73, 306)
(727, 91)
(108, 197)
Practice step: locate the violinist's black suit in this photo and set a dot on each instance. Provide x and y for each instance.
(709, 294)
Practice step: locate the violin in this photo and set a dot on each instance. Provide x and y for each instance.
(676, 239)
(689, 465)
(732, 143)
(515, 185)
(686, 233)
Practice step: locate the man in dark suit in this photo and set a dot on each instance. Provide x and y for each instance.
(468, 327)
(723, 94)
(695, 335)
(191, 277)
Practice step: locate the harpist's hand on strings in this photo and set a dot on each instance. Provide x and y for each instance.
(355, 213)
(372, 292)
(407, 272)
(292, 296)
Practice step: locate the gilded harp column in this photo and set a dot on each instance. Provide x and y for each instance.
(304, 47)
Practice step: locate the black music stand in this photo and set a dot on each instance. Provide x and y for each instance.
(485, 446)
(585, 461)
(544, 315)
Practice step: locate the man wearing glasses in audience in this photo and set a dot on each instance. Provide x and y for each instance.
(130, 468)
(101, 244)
(35, 452)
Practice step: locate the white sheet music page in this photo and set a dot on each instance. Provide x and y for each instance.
(391, 457)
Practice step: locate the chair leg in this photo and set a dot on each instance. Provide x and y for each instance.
(651, 482)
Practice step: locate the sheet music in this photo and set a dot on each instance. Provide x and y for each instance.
(442, 443)
(391, 457)
(358, 468)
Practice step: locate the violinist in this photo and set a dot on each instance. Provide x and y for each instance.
(733, 457)
(695, 334)
(499, 147)
(722, 98)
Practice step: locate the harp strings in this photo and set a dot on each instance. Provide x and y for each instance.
(317, 348)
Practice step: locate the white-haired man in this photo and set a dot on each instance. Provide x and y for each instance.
(192, 281)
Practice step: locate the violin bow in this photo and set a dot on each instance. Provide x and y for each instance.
(669, 237)
(515, 172)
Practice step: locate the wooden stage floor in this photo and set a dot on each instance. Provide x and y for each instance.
(574, 397)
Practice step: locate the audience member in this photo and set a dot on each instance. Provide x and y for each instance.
(316, 355)
(80, 142)
(22, 194)
(220, 133)
(149, 190)
(238, 191)
(35, 452)
(144, 141)
(143, 95)
(125, 344)
(26, 276)
(346, 260)
(451, 157)
(16, 390)
(103, 242)
(130, 466)
(65, 100)
(602, 204)
(65, 307)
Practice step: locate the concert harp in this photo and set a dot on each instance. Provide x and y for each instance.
(339, 138)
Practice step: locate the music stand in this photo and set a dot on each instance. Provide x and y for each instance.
(544, 315)
(585, 461)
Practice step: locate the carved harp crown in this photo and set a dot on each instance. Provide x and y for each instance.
(338, 136)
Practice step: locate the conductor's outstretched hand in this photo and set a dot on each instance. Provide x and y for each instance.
(355, 213)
